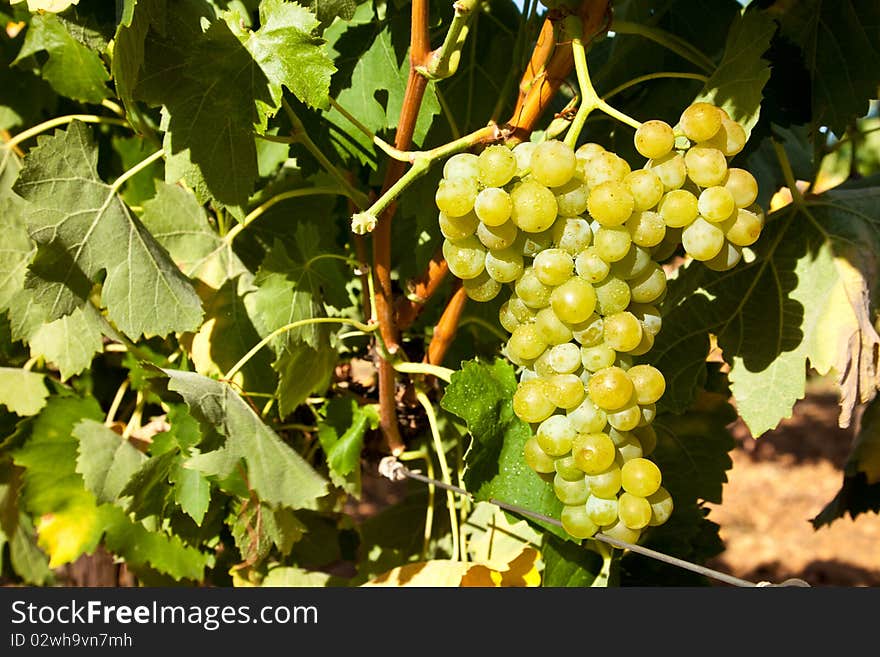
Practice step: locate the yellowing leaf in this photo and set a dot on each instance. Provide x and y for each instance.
(493, 540)
(54, 6)
(67, 534)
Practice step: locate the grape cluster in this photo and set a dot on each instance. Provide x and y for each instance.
(577, 238)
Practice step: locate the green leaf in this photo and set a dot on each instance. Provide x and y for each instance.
(17, 249)
(129, 45)
(481, 394)
(805, 298)
(25, 97)
(840, 41)
(16, 529)
(192, 492)
(568, 564)
(82, 227)
(148, 489)
(69, 342)
(328, 10)
(106, 460)
(21, 391)
(71, 68)
(342, 438)
(276, 472)
(256, 528)
(737, 83)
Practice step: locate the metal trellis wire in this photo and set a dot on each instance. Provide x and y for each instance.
(394, 470)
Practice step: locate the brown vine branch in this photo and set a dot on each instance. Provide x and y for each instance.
(447, 326)
(421, 290)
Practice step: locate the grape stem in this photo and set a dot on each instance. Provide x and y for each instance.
(443, 62)
(427, 369)
(590, 100)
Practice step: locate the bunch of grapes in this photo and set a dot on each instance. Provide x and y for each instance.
(577, 238)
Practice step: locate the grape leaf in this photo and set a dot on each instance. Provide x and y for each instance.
(147, 489)
(192, 491)
(81, 227)
(69, 342)
(276, 472)
(21, 391)
(106, 460)
(16, 528)
(481, 394)
(737, 82)
(568, 564)
(71, 68)
(256, 528)
(129, 48)
(17, 249)
(493, 539)
(840, 41)
(805, 298)
(47, 5)
(341, 434)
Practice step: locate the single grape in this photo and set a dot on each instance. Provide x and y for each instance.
(612, 295)
(610, 388)
(633, 511)
(605, 484)
(493, 206)
(456, 197)
(649, 286)
(744, 227)
(598, 357)
(497, 238)
(587, 417)
(628, 446)
(647, 228)
(645, 345)
(573, 301)
(589, 332)
(678, 208)
(634, 263)
(626, 418)
(649, 383)
(593, 452)
(461, 165)
(605, 167)
(466, 258)
(730, 138)
(661, 506)
(571, 492)
(564, 358)
(649, 316)
(504, 265)
(640, 477)
(700, 121)
(458, 228)
(497, 165)
(567, 468)
(649, 414)
(742, 185)
(654, 139)
(526, 343)
(541, 366)
(588, 151)
(621, 532)
(481, 288)
(553, 163)
(612, 243)
(610, 203)
(553, 266)
(590, 266)
(572, 235)
(555, 435)
(536, 458)
(702, 240)
(571, 198)
(531, 290)
(623, 331)
(705, 166)
(530, 403)
(514, 312)
(552, 329)
(602, 511)
(727, 258)
(716, 203)
(565, 390)
(534, 207)
(576, 522)
(671, 170)
(645, 187)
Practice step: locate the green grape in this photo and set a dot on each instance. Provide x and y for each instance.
(649, 414)
(587, 417)
(466, 258)
(461, 165)
(669, 245)
(744, 227)
(679, 208)
(612, 295)
(628, 446)
(635, 262)
(541, 365)
(497, 165)
(670, 169)
(593, 452)
(588, 151)
(565, 390)
(530, 403)
(514, 312)
(661, 506)
(523, 154)
(700, 121)
(702, 240)
(571, 492)
(612, 243)
(648, 382)
(598, 357)
(649, 316)
(572, 235)
(553, 163)
(533, 243)
(646, 228)
(605, 484)
(456, 197)
(621, 532)
(526, 343)
(553, 266)
(482, 288)
(654, 139)
(605, 167)
(504, 265)
(730, 138)
(589, 333)
(623, 331)
(555, 435)
(742, 185)
(564, 358)
(649, 286)
(573, 301)
(610, 388)
(647, 438)
(705, 166)
(640, 477)
(493, 206)
(552, 329)
(534, 207)
(590, 266)
(610, 203)
(497, 238)
(645, 345)
(602, 511)
(536, 458)
(458, 228)
(633, 511)
(626, 418)
(727, 258)
(531, 290)
(716, 204)
(576, 522)
(567, 469)
(645, 187)
(571, 198)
